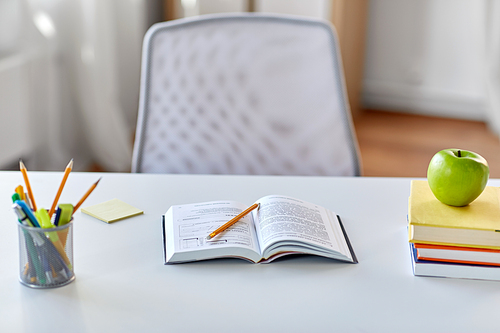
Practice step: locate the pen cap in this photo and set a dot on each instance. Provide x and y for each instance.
(46, 256)
(63, 214)
(31, 218)
(15, 197)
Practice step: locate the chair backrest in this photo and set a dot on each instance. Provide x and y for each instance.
(244, 94)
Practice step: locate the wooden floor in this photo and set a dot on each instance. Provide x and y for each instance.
(401, 145)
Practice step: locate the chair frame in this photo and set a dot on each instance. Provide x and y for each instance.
(259, 17)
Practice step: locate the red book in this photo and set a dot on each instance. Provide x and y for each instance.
(458, 254)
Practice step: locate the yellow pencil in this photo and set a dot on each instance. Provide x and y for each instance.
(69, 167)
(20, 191)
(86, 195)
(232, 221)
(24, 171)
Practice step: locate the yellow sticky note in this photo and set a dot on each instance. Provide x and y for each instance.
(112, 210)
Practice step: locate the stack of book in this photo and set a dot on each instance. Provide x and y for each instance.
(458, 242)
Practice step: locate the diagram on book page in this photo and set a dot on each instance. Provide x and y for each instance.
(194, 222)
(195, 235)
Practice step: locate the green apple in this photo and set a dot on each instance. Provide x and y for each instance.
(457, 177)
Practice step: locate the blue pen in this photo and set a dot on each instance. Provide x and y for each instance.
(58, 216)
(21, 216)
(29, 213)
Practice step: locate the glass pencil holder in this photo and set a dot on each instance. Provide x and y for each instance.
(46, 256)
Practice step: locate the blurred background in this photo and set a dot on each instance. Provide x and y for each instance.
(422, 75)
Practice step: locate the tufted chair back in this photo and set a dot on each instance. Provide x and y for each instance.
(244, 94)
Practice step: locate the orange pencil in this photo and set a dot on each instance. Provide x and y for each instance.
(24, 171)
(69, 167)
(86, 195)
(232, 221)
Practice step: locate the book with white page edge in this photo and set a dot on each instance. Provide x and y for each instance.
(280, 226)
(452, 270)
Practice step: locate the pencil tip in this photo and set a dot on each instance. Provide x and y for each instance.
(97, 182)
(70, 164)
(21, 164)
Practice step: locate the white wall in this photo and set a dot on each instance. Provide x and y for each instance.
(311, 8)
(197, 7)
(426, 56)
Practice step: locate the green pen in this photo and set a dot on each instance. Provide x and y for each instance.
(15, 197)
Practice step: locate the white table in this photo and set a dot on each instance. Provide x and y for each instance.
(122, 285)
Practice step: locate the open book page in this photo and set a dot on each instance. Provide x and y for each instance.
(187, 226)
(288, 225)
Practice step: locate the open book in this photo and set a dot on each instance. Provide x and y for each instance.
(279, 226)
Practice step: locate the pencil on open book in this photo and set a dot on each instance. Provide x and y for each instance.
(232, 221)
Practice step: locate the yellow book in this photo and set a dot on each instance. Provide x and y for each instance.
(432, 222)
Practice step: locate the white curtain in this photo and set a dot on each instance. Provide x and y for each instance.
(493, 64)
(103, 118)
(93, 78)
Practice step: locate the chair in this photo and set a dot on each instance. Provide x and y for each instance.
(244, 94)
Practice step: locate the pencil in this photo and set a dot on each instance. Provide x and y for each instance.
(20, 191)
(232, 221)
(24, 171)
(69, 167)
(86, 195)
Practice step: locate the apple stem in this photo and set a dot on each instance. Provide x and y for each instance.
(459, 153)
